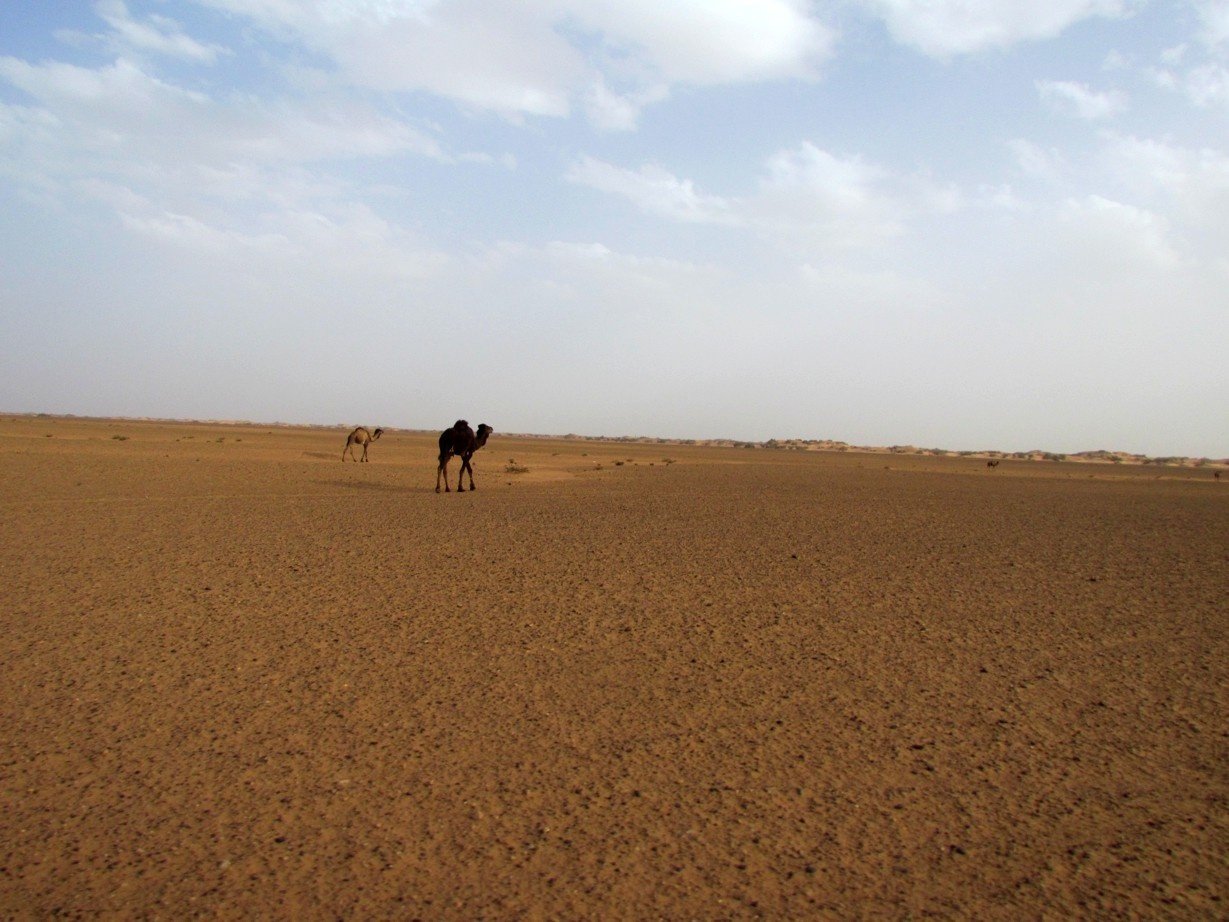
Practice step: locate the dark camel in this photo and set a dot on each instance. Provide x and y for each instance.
(360, 436)
(461, 441)
(994, 463)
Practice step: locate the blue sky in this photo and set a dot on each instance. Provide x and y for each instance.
(947, 223)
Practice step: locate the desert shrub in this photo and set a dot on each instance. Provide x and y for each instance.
(120, 438)
(513, 468)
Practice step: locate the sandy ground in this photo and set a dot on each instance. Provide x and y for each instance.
(242, 679)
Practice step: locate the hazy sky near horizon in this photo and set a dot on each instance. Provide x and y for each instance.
(949, 223)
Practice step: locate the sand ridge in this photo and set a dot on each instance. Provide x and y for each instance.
(244, 678)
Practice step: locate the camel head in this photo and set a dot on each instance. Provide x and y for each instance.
(483, 432)
(375, 435)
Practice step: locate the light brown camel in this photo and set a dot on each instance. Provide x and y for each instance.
(360, 436)
(461, 441)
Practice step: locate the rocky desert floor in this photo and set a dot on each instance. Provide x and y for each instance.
(243, 679)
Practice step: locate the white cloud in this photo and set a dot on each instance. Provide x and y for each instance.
(806, 188)
(1214, 15)
(946, 27)
(1199, 70)
(342, 242)
(805, 198)
(609, 111)
(158, 34)
(654, 191)
(480, 56)
(1077, 99)
(836, 201)
(1198, 172)
(196, 234)
(1143, 163)
(122, 123)
(706, 42)
(1037, 162)
(535, 58)
(1207, 85)
(122, 86)
(1189, 184)
(1103, 232)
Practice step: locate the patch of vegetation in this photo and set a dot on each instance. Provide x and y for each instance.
(513, 468)
(120, 438)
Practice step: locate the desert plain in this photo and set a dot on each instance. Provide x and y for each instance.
(244, 679)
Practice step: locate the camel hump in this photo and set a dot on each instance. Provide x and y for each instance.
(460, 424)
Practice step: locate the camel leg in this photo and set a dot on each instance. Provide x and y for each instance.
(461, 474)
(469, 467)
(364, 458)
(442, 470)
(343, 453)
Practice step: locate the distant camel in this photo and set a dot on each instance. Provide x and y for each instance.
(360, 436)
(461, 441)
(1216, 474)
(994, 462)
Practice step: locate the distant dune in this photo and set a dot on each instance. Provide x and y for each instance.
(1101, 456)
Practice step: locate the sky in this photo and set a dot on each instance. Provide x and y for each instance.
(966, 224)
